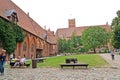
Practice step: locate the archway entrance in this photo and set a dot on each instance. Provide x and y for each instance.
(39, 53)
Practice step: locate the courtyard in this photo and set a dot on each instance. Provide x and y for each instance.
(111, 72)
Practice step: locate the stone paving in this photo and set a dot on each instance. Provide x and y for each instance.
(113, 63)
(107, 73)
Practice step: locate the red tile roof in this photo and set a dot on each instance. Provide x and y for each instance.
(24, 20)
(67, 32)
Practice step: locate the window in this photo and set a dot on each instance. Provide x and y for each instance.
(24, 46)
(53, 46)
(32, 48)
(38, 43)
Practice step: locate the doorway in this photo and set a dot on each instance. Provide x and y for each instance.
(39, 53)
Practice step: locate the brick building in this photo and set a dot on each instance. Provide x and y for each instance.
(38, 42)
(67, 32)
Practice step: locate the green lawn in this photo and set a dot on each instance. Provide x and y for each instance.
(94, 60)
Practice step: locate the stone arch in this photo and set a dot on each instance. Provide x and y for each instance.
(25, 44)
(39, 49)
(41, 44)
(19, 47)
(32, 48)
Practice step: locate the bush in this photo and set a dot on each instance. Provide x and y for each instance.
(82, 50)
(104, 51)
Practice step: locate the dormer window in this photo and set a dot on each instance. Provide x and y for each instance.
(44, 36)
(12, 15)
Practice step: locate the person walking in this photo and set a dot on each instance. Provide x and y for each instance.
(2, 62)
(112, 54)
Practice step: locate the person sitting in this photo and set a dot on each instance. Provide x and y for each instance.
(22, 61)
(12, 62)
(17, 61)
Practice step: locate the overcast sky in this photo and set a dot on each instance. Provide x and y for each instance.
(55, 13)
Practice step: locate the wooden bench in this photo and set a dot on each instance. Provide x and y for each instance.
(39, 59)
(19, 66)
(74, 64)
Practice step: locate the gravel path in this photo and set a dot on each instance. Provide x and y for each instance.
(108, 73)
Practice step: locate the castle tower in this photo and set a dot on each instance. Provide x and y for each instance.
(71, 23)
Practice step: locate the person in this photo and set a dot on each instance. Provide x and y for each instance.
(112, 54)
(119, 51)
(23, 61)
(11, 57)
(12, 62)
(17, 61)
(2, 61)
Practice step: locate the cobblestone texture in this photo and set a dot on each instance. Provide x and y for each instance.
(61, 74)
(109, 73)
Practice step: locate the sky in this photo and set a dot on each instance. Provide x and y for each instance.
(54, 14)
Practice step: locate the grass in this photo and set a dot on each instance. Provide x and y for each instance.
(94, 60)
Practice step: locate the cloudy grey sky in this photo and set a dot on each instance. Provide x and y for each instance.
(55, 13)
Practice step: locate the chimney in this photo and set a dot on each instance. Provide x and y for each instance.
(28, 13)
(106, 23)
(71, 23)
(45, 27)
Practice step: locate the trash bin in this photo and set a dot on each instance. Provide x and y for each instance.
(34, 63)
(68, 60)
(74, 60)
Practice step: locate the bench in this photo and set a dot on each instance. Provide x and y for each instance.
(19, 66)
(73, 60)
(73, 65)
(39, 59)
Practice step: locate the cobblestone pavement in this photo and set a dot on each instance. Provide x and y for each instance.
(107, 73)
(61, 74)
(114, 63)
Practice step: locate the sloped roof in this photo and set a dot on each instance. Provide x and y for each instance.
(24, 20)
(51, 37)
(67, 32)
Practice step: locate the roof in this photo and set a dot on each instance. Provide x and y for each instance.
(24, 20)
(67, 32)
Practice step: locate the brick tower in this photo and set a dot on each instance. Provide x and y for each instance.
(71, 23)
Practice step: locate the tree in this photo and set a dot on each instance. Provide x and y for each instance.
(75, 42)
(94, 37)
(62, 45)
(71, 45)
(116, 31)
(18, 33)
(9, 36)
(9, 41)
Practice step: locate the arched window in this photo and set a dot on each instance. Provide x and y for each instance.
(24, 46)
(32, 48)
(38, 45)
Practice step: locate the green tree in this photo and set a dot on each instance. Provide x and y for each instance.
(9, 36)
(61, 43)
(94, 37)
(18, 33)
(71, 45)
(116, 31)
(9, 41)
(74, 42)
